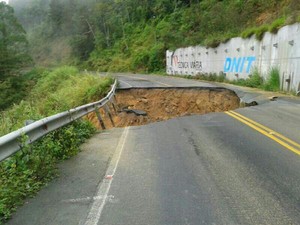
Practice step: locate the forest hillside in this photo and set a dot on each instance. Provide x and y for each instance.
(133, 35)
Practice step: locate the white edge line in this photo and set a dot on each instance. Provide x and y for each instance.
(103, 189)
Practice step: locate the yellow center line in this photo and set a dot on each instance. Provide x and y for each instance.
(272, 132)
(259, 129)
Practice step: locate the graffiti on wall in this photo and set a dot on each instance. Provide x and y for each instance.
(238, 65)
(195, 64)
(231, 65)
(237, 58)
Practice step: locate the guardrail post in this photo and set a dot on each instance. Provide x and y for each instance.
(100, 118)
(106, 108)
(114, 105)
(114, 99)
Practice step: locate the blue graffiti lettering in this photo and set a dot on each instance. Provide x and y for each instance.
(242, 64)
(237, 65)
(227, 65)
(250, 60)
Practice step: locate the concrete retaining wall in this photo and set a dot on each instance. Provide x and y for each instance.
(238, 57)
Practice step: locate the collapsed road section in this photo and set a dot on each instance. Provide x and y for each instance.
(140, 106)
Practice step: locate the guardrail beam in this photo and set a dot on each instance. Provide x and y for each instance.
(10, 143)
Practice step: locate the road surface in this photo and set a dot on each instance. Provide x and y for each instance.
(238, 167)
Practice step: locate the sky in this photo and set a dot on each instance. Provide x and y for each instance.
(4, 1)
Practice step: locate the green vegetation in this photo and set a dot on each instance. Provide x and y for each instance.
(13, 44)
(277, 24)
(255, 80)
(34, 166)
(29, 93)
(56, 91)
(16, 88)
(260, 30)
(13, 57)
(248, 32)
(30, 169)
(106, 35)
(273, 81)
(133, 35)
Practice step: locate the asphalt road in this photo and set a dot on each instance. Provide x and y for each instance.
(146, 81)
(216, 168)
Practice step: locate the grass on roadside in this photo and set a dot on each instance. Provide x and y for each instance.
(255, 80)
(273, 81)
(23, 174)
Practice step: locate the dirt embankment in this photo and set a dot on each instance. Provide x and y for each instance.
(164, 104)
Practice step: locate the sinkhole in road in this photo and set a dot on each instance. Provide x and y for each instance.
(159, 104)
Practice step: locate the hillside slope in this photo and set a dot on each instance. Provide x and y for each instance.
(133, 35)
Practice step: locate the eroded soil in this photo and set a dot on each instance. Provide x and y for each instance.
(163, 104)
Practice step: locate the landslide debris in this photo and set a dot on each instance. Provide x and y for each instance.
(138, 106)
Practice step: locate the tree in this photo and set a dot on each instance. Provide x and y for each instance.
(56, 14)
(13, 44)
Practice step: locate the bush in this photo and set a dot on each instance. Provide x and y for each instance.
(199, 76)
(260, 31)
(66, 88)
(140, 61)
(276, 25)
(16, 88)
(221, 78)
(55, 80)
(64, 93)
(248, 32)
(209, 77)
(212, 77)
(94, 91)
(156, 55)
(212, 42)
(240, 82)
(34, 166)
(273, 81)
(255, 80)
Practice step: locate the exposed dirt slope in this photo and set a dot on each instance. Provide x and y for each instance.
(164, 104)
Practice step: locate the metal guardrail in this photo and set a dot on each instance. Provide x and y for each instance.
(11, 143)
